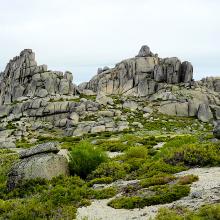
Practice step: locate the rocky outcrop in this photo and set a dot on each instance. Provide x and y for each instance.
(22, 77)
(141, 76)
(212, 83)
(42, 161)
(32, 97)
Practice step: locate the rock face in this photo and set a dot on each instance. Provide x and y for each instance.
(34, 98)
(141, 76)
(41, 161)
(24, 78)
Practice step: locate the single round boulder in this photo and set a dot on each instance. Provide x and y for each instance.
(41, 161)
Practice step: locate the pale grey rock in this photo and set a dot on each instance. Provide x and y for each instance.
(7, 145)
(74, 118)
(147, 110)
(130, 105)
(46, 166)
(99, 70)
(42, 93)
(105, 113)
(102, 99)
(144, 52)
(98, 129)
(137, 124)
(204, 113)
(182, 109)
(168, 109)
(146, 115)
(105, 68)
(41, 148)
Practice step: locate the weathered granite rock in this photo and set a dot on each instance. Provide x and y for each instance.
(141, 76)
(130, 105)
(38, 162)
(49, 147)
(102, 99)
(144, 52)
(23, 77)
(204, 113)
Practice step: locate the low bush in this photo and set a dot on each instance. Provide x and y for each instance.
(103, 180)
(113, 169)
(207, 212)
(163, 194)
(157, 180)
(136, 152)
(195, 155)
(84, 158)
(105, 193)
(157, 167)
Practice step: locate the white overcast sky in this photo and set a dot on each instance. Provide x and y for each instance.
(82, 35)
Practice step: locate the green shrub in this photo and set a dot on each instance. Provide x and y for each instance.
(207, 212)
(157, 180)
(27, 209)
(195, 155)
(103, 180)
(105, 193)
(175, 143)
(157, 167)
(136, 152)
(168, 214)
(113, 169)
(163, 194)
(135, 163)
(84, 158)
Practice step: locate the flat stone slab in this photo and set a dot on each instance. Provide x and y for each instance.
(50, 147)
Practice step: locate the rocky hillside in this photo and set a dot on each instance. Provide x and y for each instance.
(31, 95)
(139, 135)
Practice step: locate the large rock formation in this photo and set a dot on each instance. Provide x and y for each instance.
(24, 78)
(33, 98)
(41, 161)
(141, 76)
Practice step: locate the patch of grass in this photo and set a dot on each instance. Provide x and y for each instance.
(163, 194)
(105, 193)
(7, 158)
(161, 179)
(23, 143)
(103, 180)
